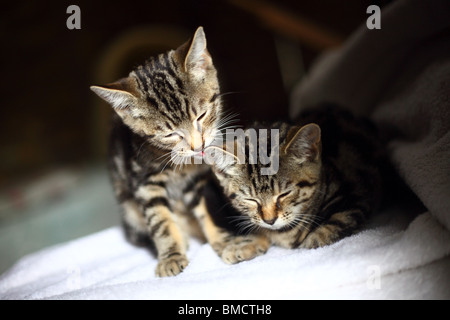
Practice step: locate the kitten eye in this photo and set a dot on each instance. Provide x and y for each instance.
(199, 118)
(253, 200)
(279, 198)
(172, 135)
(197, 122)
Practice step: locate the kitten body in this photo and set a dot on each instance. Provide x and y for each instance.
(168, 110)
(327, 184)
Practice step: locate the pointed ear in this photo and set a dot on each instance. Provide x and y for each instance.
(194, 55)
(304, 142)
(120, 94)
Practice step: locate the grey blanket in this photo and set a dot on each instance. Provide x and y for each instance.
(400, 77)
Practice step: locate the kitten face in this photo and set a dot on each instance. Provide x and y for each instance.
(172, 99)
(283, 200)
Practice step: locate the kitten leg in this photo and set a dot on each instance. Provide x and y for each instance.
(170, 242)
(338, 226)
(134, 223)
(231, 248)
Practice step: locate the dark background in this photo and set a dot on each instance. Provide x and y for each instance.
(50, 118)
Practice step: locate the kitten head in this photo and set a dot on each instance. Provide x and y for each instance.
(286, 198)
(172, 99)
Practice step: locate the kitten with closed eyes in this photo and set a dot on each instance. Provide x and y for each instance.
(167, 112)
(327, 184)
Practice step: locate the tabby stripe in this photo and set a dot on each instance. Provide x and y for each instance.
(157, 201)
(186, 105)
(142, 79)
(149, 219)
(169, 67)
(165, 232)
(198, 195)
(335, 205)
(172, 254)
(157, 65)
(297, 237)
(214, 97)
(168, 106)
(154, 229)
(253, 182)
(195, 200)
(336, 223)
(161, 184)
(177, 106)
(210, 121)
(168, 125)
(339, 231)
(174, 63)
(124, 196)
(305, 183)
(155, 87)
(174, 118)
(243, 191)
(146, 75)
(250, 170)
(258, 175)
(167, 84)
(301, 201)
(194, 110)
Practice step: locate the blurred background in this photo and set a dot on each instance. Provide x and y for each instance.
(53, 182)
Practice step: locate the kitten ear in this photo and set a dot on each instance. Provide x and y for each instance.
(197, 59)
(304, 142)
(120, 94)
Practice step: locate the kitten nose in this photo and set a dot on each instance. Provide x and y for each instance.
(197, 142)
(270, 221)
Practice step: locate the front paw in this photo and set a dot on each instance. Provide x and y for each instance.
(243, 248)
(172, 266)
(319, 238)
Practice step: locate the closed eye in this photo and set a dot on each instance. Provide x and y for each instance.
(200, 117)
(198, 121)
(253, 200)
(172, 135)
(280, 197)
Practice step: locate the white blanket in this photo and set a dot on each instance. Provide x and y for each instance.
(383, 262)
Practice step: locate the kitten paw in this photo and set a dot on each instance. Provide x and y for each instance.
(171, 266)
(316, 240)
(243, 248)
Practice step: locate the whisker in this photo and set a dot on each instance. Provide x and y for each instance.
(167, 154)
(229, 92)
(227, 119)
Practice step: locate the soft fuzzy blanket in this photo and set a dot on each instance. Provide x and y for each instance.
(382, 262)
(400, 77)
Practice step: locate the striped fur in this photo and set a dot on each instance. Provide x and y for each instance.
(327, 184)
(167, 111)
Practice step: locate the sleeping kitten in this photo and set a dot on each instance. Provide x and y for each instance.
(327, 183)
(167, 111)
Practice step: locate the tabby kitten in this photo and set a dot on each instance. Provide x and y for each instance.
(167, 111)
(327, 184)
